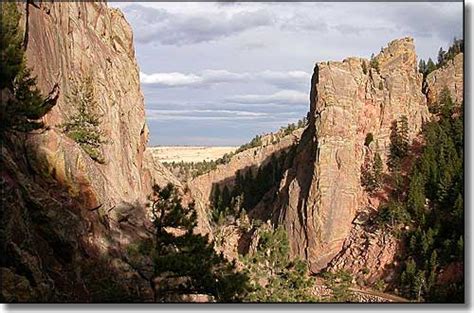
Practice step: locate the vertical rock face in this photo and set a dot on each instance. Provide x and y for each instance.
(66, 43)
(67, 219)
(322, 192)
(449, 76)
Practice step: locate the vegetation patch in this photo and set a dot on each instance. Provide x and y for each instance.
(84, 127)
(274, 276)
(426, 67)
(185, 262)
(249, 186)
(427, 203)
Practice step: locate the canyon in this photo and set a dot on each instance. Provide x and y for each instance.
(64, 210)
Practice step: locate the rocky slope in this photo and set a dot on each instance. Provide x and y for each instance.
(63, 211)
(224, 175)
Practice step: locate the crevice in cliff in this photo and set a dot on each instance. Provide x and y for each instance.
(302, 172)
(26, 26)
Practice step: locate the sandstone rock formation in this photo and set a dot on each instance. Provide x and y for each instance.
(449, 76)
(67, 42)
(62, 210)
(322, 193)
(369, 253)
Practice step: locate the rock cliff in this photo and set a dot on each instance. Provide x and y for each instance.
(66, 43)
(450, 76)
(370, 253)
(68, 221)
(322, 193)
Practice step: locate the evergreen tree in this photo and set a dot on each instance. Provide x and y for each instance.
(84, 126)
(422, 67)
(441, 56)
(378, 170)
(431, 204)
(374, 63)
(186, 262)
(12, 54)
(416, 195)
(430, 66)
(21, 105)
(399, 143)
(339, 283)
(274, 276)
(403, 133)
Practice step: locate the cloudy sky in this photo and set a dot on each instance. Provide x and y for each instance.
(220, 73)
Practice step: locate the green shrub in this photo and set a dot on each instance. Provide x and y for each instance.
(274, 276)
(374, 63)
(339, 283)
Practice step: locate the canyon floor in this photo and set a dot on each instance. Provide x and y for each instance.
(189, 153)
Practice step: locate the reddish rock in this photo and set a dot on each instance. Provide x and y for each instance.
(322, 192)
(66, 43)
(449, 76)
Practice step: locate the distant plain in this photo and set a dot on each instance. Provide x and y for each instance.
(189, 153)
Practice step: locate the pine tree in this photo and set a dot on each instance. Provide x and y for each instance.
(399, 143)
(274, 276)
(12, 54)
(339, 283)
(422, 67)
(404, 135)
(374, 63)
(21, 105)
(378, 170)
(84, 126)
(186, 262)
(441, 57)
(430, 66)
(416, 195)
(371, 175)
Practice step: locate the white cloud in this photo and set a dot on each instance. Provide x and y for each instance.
(170, 79)
(203, 115)
(281, 97)
(209, 77)
(176, 79)
(214, 112)
(174, 28)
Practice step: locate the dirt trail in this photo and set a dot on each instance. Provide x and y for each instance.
(378, 294)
